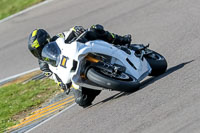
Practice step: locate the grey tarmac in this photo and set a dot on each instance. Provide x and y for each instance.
(166, 104)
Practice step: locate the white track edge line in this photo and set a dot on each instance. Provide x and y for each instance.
(12, 16)
(25, 10)
(51, 117)
(18, 75)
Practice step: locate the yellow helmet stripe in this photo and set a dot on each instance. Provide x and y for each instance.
(34, 33)
(35, 44)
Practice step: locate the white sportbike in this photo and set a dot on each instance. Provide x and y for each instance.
(100, 65)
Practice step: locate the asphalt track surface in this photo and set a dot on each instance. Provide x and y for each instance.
(169, 103)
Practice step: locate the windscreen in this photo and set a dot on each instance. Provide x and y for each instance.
(51, 54)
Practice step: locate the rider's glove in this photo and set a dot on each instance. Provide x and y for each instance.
(127, 39)
(78, 30)
(47, 74)
(44, 67)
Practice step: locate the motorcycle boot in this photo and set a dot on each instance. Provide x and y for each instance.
(84, 96)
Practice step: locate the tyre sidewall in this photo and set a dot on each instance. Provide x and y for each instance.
(110, 83)
(158, 66)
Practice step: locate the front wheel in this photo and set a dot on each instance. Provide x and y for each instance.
(119, 82)
(157, 62)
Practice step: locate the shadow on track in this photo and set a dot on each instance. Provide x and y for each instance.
(145, 83)
(168, 72)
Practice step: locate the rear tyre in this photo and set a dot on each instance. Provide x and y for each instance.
(122, 82)
(157, 62)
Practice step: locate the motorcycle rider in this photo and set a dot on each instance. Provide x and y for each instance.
(39, 38)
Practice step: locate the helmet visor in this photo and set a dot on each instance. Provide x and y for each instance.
(51, 54)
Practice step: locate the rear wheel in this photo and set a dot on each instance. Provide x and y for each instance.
(157, 62)
(120, 82)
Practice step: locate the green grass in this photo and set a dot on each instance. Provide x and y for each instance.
(9, 7)
(18, 98)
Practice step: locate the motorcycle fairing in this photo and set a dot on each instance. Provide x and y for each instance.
(77, 51)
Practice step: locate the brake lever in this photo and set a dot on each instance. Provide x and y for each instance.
(143, 52)
(145, 47)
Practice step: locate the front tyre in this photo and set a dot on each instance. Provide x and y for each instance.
(157, 62)
(121, 82)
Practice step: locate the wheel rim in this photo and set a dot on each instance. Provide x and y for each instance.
(121, 76)
(155, 56)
